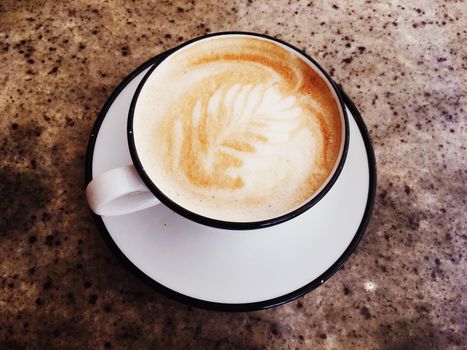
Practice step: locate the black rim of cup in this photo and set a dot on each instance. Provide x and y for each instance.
(231, 224)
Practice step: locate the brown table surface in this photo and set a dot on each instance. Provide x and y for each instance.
(404, 65)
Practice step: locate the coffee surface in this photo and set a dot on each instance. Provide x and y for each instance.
(237, 128)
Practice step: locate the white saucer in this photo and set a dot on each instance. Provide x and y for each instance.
(233, 270)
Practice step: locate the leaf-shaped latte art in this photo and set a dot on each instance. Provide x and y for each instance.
(227, 126)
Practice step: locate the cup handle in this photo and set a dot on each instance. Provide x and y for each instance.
(119, 191)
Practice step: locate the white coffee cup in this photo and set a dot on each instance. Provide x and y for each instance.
(129, 188)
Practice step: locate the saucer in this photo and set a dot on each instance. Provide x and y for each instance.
(224, 269)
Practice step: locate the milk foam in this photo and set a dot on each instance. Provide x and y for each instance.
(237, 128)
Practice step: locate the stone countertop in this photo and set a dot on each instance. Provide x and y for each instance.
(403, 65)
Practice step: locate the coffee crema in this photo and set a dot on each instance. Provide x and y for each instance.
(237, 128)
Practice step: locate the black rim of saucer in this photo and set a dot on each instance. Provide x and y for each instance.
(230, 225)
(239, 307)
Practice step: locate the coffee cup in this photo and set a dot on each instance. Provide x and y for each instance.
(232, 130)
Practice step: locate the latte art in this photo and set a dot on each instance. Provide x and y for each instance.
(225, 129)
(237, 128)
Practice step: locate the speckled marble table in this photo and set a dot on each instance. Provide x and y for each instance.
(403, 64)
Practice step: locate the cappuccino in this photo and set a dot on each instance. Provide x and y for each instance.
(238, 128)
